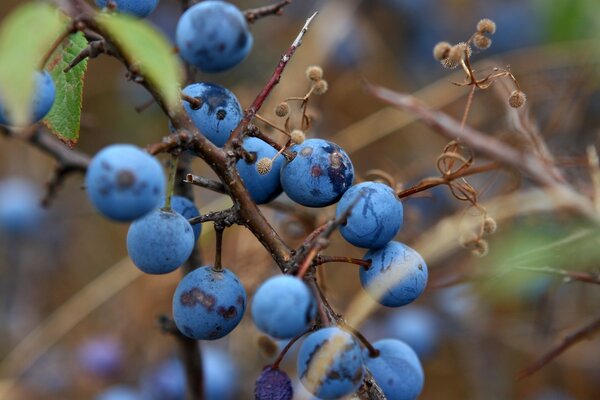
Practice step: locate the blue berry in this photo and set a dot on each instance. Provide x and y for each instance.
(283, 307)
(262, 188)
(160, 242)
(20, 209)
(376, 217)
(220, 374)
(43, 94)
(188, 209)
(416, 326)
(124, 182)
(219, 113)
(319, 174)
(120, 392)
(166, 381)
(273, 384)
(208, 303)
(397, 370)
(101, 356)
(330, 363)
(213, 36)
(139, 8)
(397, 275)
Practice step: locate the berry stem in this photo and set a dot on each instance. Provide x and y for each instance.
(373, 352)
(288, 346)
(357, 261)
(171, 182)
(219, 245)
(272, 125)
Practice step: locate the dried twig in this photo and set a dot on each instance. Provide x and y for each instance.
(254, 14)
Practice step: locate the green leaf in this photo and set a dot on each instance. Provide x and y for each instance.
(149, 51)
(65, 116)
(26, 36)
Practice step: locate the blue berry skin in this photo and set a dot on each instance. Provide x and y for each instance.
(208, 304)
(166, 381)
(187, 209)
(213, 36)
(319, 174)
(101, 356)
(397, 370)
(120, 392)
(397, 275)
(262, 188)
(219, 114)
(160, 242)
(376, 217)
(273, 384)
(44, 94)
(339, 351)
(124, 182)
(139, 8)
(20, 209)
(283, 307)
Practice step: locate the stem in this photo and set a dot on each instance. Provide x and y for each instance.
(171, 182)
(373, 352)
(255, 14)
(357, 261)
(289, 345)
(219, 246)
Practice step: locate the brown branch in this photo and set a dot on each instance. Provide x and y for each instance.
(205, 183)
(328, 259)
(580, 334)
(253, 131)
(254, 14)
(223, 218)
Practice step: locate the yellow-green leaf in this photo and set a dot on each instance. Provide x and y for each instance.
(26, 36)
(65, 116)
(149, 51)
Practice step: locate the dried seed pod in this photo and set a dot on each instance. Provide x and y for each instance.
(468, 239)
(282, 109)
(481, 41)
(486, 25)
(457, 53)
(441, 50)
(263, 166)
(517, 99)
(320, 87)
(314, 73)
(481, 249)
(489, 225)
(297, 136)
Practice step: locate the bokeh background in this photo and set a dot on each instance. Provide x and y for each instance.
(77, 318)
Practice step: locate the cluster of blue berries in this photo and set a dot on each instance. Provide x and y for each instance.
(126, 184)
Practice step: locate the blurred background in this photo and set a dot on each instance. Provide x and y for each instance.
(76, 318)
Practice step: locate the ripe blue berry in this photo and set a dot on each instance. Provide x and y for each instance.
(44, 94)
(101, 356)
(124, 182)
(416, 326)
(273, 384)
(160, 242)
(165, 381)
(139, 8)
(397, 275)
(319, 174)
(262, 188)
(213, 36)
(330, 363)
(187, 209)
(283, 307)
(397, 370)
(20, 209)
(219, 112)
(208, 303)
(376, 217)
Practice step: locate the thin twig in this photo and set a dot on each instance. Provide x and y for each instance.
(329, 259)
(577, 336)
(254, 14)
(206, 183)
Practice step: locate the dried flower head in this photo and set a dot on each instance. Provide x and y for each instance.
(320, 87)
(468, 239)
(314, 73)
(263, 166)
(481, 41)
(481, 248)
(282, 109)
(457, 53)
(517, 99)
(489, 225)
(486, 25)
(441, 50)
(297, 136)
